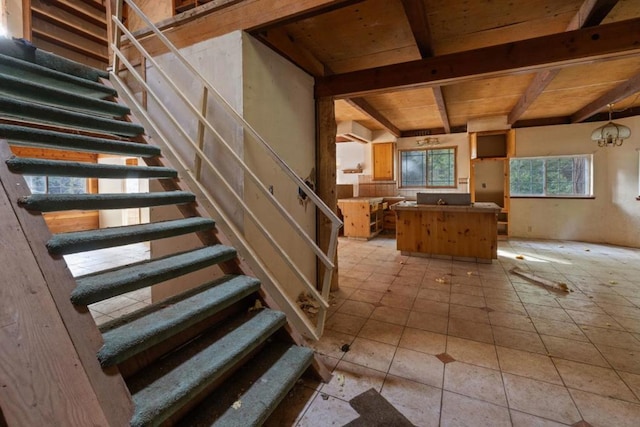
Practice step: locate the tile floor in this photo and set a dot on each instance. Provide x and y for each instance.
(103, 259)
(463, 344)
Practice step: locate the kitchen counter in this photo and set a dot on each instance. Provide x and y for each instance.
(468, 232)
(362, 216)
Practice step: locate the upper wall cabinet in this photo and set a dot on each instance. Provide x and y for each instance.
(493, 145)
(383, 161)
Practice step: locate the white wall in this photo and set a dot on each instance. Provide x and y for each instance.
(279, 104)
(613, 216)
(348, 155)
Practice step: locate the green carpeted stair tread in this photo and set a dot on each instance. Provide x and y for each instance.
(33, 72)
(163, 389)
(80, 241)
(106, 284)
(67, 202)
(171, 317)
(12, 107)
(19, 88)
(34, 137)
(258, 387)
(34, 166)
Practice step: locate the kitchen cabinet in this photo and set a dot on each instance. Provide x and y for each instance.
(363, 216)
(383, 161)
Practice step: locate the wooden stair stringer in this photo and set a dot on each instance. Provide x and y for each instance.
(108, 385)
(216, 236)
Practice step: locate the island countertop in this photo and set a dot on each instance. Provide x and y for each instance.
(474, 207)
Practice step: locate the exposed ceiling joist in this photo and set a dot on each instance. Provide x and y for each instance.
(618, 93)
(592, 12)
(278, 40)
(616, 40)
(442, 108)
(363, 106)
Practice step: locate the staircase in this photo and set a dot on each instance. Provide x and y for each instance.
(181, 361)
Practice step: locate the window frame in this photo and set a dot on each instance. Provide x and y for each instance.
(589, 193)
(426, 150)
(87, 184)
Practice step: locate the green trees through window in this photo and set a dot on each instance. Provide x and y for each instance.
(562, 176)
(56, 185)
(434, 167)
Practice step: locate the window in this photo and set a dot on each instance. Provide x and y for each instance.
(563, 176)
(56, 185)
(434, 167)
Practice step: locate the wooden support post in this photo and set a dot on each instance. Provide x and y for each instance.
(326, 130)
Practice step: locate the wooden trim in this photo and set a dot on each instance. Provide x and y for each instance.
(605, 42)
(108, 385)
(26, 20)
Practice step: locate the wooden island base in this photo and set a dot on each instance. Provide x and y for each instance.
(468, 233)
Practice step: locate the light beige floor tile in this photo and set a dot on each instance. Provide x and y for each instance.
(350, 380)
(475, 381)
(603, 411)
(520, 340)
(541, 399)
(621, 359)
(431, 307)
(463, 411)
(612, 338)
(424, 341)
(376, 286)
(419, 403)
(629, 323)
(468, 300)
(520, 419)
(568, 330)
(471, 330)
(331, 343)
(514, 307)
(457, 288)
(326, 412)
(594, 319)
(403, 290)
(367, 296)
(345, 323)
(468, 313)
(416, 366)
(594, 379)
(472, 352)
(356, 308)
(552, 313)
(632, 380)
(574, 350)
(510, 320)
(397, 301)
(372, 354)
(376, 330)
(427, 322)
(581, 305)
(390, 315)
(434, 294)
(527, 364)
(500, 294)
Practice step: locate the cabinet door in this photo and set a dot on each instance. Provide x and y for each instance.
(383, 161)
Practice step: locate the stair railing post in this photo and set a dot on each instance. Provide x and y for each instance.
(200, 138)
(117, 35)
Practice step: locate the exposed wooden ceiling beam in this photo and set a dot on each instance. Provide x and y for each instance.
(587, 15)
(417, 16)
(432, 131)
(363, 106)
(278, 40)
(616, 40)
(618, 93)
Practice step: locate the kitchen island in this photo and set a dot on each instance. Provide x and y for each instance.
(467, 232)
(363, 216)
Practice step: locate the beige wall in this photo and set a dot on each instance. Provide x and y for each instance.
(613, 216)
(12, 17)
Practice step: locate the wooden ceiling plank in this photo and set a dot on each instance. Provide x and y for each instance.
(615, 40)
(588, 14)
(620, 92)
(363, 106)
(442, 108)
(284, 44)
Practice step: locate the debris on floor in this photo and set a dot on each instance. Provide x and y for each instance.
(519, 256)
(556, 286)
(341, 380)
(345, 347)
(441, 280)
(256, 306)
(236, 405)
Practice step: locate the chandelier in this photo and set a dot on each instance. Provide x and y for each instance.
(612, 134)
